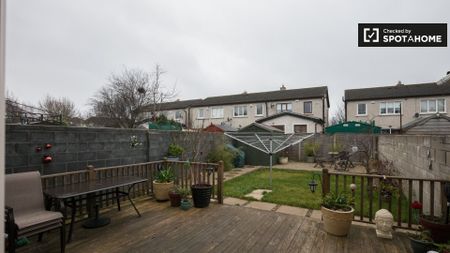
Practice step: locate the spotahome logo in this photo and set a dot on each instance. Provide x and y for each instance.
(402, 35)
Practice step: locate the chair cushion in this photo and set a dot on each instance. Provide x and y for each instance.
(26, 220)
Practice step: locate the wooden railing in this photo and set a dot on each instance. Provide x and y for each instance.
(185, 176)
(371, 194)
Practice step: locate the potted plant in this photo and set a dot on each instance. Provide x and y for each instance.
(163, 183)
(175, 197)
(310, 151)
(439, 227)
(201, 191)
(184, 193)
(283, 159)
(337, 213)
(174, 152)
(420, 242)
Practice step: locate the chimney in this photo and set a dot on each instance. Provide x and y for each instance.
(399, 83)
(283, 87)
(444, 80)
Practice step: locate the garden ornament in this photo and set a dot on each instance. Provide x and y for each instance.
(384, 221)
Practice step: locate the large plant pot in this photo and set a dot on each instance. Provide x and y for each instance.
(201, 195)
(440, 233)
(175, 199)
(161, 190)
(337, 222)
(310, 159)
(283, 160)
(173, 158)
(419, 246)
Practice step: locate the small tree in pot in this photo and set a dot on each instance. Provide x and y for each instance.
(163, 183)
(184, 193)
(201, 191)
(311, 151)
(174, 152)
(337, 213)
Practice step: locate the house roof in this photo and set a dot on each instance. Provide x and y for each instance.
(244, 98)
(296, 115)
(181, 104)
(266, 128)
(399, 91)
(423, 120)
(221, 127)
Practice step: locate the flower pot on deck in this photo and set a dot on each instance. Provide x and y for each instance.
(440, 232)
(419, 246)
(283, 159)
(310, 159)
(185, 204)
(337, 222)
(201, 195)
(175, 199)
(161, 190)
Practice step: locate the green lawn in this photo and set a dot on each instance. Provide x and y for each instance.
(291, 188)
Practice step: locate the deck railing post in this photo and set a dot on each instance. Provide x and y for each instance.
(220, 183)
(325, 182)
(91, 173)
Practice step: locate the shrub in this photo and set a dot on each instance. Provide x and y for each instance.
(342, 201)
(175, 150)
(164, 175)
(222, 153)
(311, 148)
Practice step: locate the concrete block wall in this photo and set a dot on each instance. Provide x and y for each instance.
(73, 148)
(419, 156)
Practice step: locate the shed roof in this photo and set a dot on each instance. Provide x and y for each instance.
(293, 114)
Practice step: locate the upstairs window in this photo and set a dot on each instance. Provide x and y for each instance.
(284, 107)
(307, 107)
(201, 114)
(390, 108)
(178, 115)
(362, 109)
(259, 110)
(240, 111)
(217, 113)
(432, 105)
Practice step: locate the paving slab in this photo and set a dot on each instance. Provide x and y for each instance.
(234, 201)
(261, 205)
(258, 194)
(292, 210)
(316, 214)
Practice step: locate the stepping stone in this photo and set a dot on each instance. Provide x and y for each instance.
(234, 201)
(316, 214)
(292, 210)
(258, 194)
(261, 205)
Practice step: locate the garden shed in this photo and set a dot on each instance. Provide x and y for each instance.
(435, 124)
(353, 127)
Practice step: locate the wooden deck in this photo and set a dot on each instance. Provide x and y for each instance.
(219, 228)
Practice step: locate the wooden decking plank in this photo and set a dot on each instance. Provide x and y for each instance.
(284, 244)
(288, 225)
(302, 234)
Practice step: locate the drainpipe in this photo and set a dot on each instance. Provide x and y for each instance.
(323, 114)
(267, 110)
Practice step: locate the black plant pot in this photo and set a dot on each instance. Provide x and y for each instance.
(201, 194)
(419, 246)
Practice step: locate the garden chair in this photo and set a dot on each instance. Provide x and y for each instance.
(25, 213)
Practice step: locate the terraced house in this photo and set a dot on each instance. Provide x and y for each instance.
(397, 107)
(292, 110)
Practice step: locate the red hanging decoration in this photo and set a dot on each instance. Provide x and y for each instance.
(47, 159)
(38, 149)
(48, 146)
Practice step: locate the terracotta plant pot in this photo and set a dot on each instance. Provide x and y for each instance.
(440, 232)
(419, 246)
(337, 222)
(175, 199)
(283, 160)
(161, 190)
(201, 195)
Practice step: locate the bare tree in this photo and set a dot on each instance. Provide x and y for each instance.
(129, 95)
(63, 107)
(339, 114)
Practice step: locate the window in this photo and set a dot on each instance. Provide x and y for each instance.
(300, 129)
(284, 107)
(307, 107)
(362, 109)
(259, 110)
(390, 108)
(240, 111)
(217, 113)
(178, 115)
(201, 114)
(432, 105)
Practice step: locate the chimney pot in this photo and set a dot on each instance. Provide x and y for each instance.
(283, 87)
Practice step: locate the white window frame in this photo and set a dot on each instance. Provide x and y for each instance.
(286, 105)
(357, 109)
(436, 104)
(215, 116)
(390, 102)
(240, 115)
(203, 112)
(262, 110)
(304, 102)
(181, 114)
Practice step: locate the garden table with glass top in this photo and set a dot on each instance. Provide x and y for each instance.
(68, 195)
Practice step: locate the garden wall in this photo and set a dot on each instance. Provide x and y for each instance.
(73, 148)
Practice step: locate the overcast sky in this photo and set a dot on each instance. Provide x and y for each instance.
(210, 48)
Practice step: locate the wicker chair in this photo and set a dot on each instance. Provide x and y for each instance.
(25, 213)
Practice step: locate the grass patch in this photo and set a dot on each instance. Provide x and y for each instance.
(290, 187)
